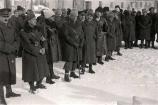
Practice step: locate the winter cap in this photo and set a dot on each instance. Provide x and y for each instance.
(48, 13)
(74, 12)
(20, 8)
(5, 12)
(58, 12)
(90, 12)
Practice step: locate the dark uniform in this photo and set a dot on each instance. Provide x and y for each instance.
(111, 34)
(60, 26)
(153, 31)
(53, 50)
(9, 44)
(101, 34)
(35, 66)
(73, 42)
(128, 29)
(145, 29)
(90, 32)
(119, 34)
(137, 29)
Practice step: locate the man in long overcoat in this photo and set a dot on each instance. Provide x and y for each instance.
(101, 24)
(9, 43)
(128, 29)
(60, 28)
(137, 28)
(90, 32)
(145, 28)
(111, 43)
(48, 28)
(35, 66)
(72, 37)
(119, 34)
(153, 31)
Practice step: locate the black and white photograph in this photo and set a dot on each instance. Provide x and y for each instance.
(78, 52)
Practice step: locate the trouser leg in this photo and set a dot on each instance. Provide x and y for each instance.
(1, 91)
(68, 68)
(2, 99)
(91, 69)
(142, 43)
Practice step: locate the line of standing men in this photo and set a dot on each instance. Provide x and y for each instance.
(78, 38)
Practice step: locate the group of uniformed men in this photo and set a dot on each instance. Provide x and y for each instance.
(78, 38)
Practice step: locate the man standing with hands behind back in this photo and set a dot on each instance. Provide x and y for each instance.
(9, 44)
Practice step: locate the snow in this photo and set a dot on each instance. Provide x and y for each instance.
(134, 76)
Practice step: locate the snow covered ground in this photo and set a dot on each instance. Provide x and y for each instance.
(134, 76)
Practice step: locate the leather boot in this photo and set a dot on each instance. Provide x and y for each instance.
(32, 88)
(90, 69)
(49, 80)
(52, 74)
(82, 70)
(72, 74)
(39, 85)
(100, 60)
(67, 77)
(10, 93)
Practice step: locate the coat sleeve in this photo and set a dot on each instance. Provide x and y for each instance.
(26, 43)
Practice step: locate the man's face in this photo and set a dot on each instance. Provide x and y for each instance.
(16, 14)
(117, 9)
(89, 17)
(32, 22)
(98, 14)
(81, 17)
(73, 17)
(144, 13)
(4, 19)
(22, 12)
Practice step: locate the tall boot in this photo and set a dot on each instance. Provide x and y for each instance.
(126, 45)
(67, 77)
(49, 80)
(10, 93)
(100, 60)
(39, 85)
(90, 69)
(32, 88)
(141, 45)
(82, 70)
(136, 43)
(146, 44)
(2, 99)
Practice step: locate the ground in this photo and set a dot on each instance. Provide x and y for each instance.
(134, 76)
